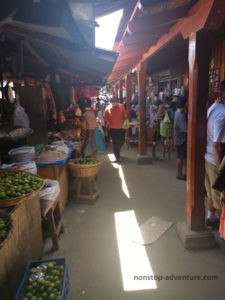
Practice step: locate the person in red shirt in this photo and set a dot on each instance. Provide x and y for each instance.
(115, 114)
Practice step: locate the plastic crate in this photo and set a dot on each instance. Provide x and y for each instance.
(23, 284)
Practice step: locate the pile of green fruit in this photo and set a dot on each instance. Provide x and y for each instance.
(71, 124)
(3, 230)
(17, 184)
(86, 161)
(49, 286)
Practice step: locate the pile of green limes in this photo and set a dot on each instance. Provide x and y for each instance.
(17, 184)
(3, 230)
(48, 287)
(85, 161)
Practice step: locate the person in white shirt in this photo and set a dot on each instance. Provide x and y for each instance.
(214, 154)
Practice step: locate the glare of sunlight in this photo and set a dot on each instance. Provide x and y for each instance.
(121, 174)
(106, 32)
(136, 270)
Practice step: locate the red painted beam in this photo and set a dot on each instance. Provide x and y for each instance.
(142, 145)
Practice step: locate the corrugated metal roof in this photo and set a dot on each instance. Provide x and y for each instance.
(104, 7)
(149, 21)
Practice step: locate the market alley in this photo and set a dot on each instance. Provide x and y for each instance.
(93, 249)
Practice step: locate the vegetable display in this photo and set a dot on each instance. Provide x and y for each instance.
(45, 282)
(85, 161)
(17, 184)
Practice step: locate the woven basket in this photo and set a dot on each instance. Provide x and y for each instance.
(83, 171)
(7, 218)
(18, 200)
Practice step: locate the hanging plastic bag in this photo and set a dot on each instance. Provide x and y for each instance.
(51, 191)
(96, 144)
(91, 147)
(166, 118)
(222, 223)
(126, 124)
(20, 118)
(101, 149)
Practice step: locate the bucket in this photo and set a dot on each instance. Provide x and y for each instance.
(22, 154)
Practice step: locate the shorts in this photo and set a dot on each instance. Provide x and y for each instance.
(182, 151)
(210, 176)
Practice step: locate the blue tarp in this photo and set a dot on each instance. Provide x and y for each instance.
(59, 162)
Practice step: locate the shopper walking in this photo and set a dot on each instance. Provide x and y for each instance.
(180, 136)
(115, 114)
(214, 154)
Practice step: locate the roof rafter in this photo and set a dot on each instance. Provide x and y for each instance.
(168, 17)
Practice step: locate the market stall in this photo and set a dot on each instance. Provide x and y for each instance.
(23, 240)
(57, 171)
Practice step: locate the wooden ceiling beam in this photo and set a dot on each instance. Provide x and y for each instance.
(143, 36)
(168, 17)
(160, 6)
(127, 62)
(134, 48)
(148, 42)
(42, 38)
(124, 59)
(132, 54)
(34, 53)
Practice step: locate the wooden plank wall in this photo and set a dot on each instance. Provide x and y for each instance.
(31, 98)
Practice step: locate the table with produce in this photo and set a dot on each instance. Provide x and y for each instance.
(20, 226)
(21, 232)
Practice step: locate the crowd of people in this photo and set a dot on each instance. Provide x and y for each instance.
(110, 118)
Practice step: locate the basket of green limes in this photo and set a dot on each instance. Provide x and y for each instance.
(84, 167)
(17, 186)
(5, 227)
(45, 279)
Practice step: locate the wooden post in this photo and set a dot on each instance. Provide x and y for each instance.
(199, 60)
(121, 91)
(142, 145)
(128, 96)
(116, 89)
(21, 59)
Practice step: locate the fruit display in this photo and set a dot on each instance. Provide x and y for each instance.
(18, 184)
(71, 124)
(3, 230)
(45, 282)
(86, 161)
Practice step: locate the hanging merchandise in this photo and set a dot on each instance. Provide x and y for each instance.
(20, 118)
(61, 117)
(164, 125)
(62, 96)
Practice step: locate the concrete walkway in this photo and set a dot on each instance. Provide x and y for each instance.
(90, 242)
